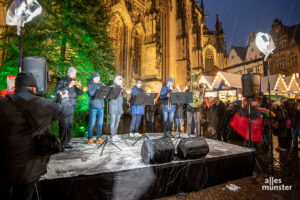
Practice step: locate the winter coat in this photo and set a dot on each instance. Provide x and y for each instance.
(281, 117)
(136, 109)
(213, 117)
(166, 105)
(116, 105)
(63, 85)
(92, 89)
(295, 123)
(19, 162)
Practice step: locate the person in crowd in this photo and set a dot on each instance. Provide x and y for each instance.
(168, 109)
(96, 109)
(213, 118)
(295, 124)
(288, 106)
(193, 116)
(116, 108)
(220, 111)
(137, 111)
(65, 125)
(235, 107)
(20, 165)
(281, 130)
(178, 117)
(150, 116)
(204, 119)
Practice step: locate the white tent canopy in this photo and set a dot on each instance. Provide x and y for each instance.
(208, 80)
(230, 80)
(276, 84)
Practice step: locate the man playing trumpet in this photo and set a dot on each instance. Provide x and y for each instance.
(168, 109)
(63, 85)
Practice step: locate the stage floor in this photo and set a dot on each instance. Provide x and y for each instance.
(126, 172)
(85, 159)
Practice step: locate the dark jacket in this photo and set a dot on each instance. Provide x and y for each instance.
(92, 89)
(281, 117)
(116, 105)
(19, 163)
(136, 109)
(166, 105)
(295, 123)
(63, 85)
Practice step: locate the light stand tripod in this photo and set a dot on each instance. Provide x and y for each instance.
(107, 140)
(250, 144)
(106, 93)
(144, 135)
(144, 99)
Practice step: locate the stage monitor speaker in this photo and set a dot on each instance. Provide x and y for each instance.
(251, 85)
(189, 148)
(38, 67)
(158, 150)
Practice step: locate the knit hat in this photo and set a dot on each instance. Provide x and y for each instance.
(138, 81)
(96, 75)
(117, 79)
(170, 79)
(25, 79)
(71, 70)
(277, 103)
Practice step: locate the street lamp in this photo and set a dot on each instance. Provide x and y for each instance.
(265, 44)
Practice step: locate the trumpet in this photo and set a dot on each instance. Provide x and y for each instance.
(79, 85)
(125, 89)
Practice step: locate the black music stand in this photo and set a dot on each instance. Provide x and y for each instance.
(106, 93)
(144, 99)
(180, 98)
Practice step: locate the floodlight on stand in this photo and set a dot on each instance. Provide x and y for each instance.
(21, 12)
(264, 43)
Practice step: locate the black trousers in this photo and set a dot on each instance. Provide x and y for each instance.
(23, 191)
(65, 129)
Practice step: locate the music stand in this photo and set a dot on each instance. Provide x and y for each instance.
(180, 98)
(144, 99)
(108, 93)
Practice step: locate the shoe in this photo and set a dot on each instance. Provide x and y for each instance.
(131, 134)
(91, 142)
(280, 149)
(137, 135)
(165, 135)
(99, 140)
(170, 134)
(114, 138)
(68, 146)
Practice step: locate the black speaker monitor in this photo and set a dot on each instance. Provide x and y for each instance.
(38, 67)
(158, 150)
(190, 148)
(251, 84)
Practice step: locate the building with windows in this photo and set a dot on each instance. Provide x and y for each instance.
(243, 60)
(285, 59)
(157, 39)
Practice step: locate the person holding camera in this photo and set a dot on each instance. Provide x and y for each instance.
(66, 125)
(21, 164)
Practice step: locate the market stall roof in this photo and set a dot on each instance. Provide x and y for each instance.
(208, 80)
(276, 83)
(230, 80)
(291, 83)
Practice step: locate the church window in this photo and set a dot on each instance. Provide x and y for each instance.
(209, 60)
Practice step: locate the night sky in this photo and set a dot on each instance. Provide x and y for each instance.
(240, 17)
